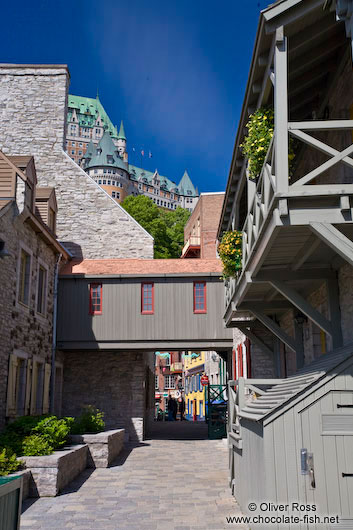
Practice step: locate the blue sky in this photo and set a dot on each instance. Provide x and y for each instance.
(174, 71)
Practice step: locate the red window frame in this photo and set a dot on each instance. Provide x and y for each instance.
(95, 302)
(198, 298)
(147, 300)
(240, 361)
(248, 357)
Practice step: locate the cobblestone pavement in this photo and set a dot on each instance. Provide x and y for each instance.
(178, 484)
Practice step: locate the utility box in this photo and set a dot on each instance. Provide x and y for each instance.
(10, 502)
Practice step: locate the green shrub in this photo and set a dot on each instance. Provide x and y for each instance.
(89, 422)
(8, 462)
(12, 441)
(24, 425)
(36, 445)
(53, 430)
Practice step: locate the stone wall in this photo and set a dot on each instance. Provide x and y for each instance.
(114, 382)
(21, 328)
(33, 107)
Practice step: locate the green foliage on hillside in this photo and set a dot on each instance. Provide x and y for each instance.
(167, 227)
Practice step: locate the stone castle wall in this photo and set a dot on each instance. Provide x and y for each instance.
(90, 224)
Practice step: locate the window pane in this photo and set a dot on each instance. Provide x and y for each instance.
(24, 277)
(41, 290)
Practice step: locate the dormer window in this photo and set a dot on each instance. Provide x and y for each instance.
(110, 159)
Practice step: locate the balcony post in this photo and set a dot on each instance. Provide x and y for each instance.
(281, 112)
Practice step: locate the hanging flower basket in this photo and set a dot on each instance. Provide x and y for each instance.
(230, 252)
(255, 146)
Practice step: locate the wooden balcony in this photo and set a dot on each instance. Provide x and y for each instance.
(294, 233)
(191, 248)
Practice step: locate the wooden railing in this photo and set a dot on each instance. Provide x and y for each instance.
(238, 391)
(270, 187)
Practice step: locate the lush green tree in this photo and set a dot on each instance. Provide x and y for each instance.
(167, 227)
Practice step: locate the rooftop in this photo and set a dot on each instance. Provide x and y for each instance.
(143, 267)
(88, 110)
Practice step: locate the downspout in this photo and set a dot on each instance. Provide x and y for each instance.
(53, 349)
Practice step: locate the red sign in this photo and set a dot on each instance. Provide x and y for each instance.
(204, 380)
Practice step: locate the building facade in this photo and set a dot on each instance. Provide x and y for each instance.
(288, 424)
(200, 232)
(93, 142)
(29, 253)
(168, 380)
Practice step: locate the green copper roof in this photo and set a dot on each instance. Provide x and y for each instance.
(121, 134)
(186, 186)
(87, 110)
(90, 150)
(137, 173)
(106, 155)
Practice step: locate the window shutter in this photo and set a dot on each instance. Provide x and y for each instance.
(28, 386)
(47, 373)
(34, 387)
(11, 386)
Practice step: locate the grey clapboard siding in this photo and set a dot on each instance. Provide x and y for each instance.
(121, 319)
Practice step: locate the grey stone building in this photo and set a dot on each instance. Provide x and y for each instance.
(29, 255)
(33, 109)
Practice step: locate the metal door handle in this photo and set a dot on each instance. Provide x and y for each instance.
(312, 477)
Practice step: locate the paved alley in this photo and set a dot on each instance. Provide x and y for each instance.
(178, 483)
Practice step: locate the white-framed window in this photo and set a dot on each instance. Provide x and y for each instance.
(80, 153)
(24, 276)
(118, 195)
(42, 288)
(156, 383)
(109, 182)
(113, 194)
(72, 152)
(99, 182)
(80, 144)
(169, 382)
(104, 182)
(73, 144)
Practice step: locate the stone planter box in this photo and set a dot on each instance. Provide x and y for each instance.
(103, 447)
(52, 473)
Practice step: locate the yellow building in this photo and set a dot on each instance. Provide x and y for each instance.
(195, 397)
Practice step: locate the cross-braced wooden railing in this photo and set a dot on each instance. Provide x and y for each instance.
(296, 129)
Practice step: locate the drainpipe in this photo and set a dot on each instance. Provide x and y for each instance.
(53, 349)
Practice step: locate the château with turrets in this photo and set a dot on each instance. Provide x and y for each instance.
(94, 143)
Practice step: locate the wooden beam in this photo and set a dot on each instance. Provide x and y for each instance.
(309, 247)
(314, 273)
(321, 125)
(256, 340)
(275, 329)
(320, 146)
(263, 305)
(303, 305)
(333, 303)
(325, 166)
(334, 239)
(281, 111)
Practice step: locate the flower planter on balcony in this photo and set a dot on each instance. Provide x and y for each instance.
(50, 474)
(10, 502)
(103, 447)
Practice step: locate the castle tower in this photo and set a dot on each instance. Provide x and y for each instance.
(121, 143)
